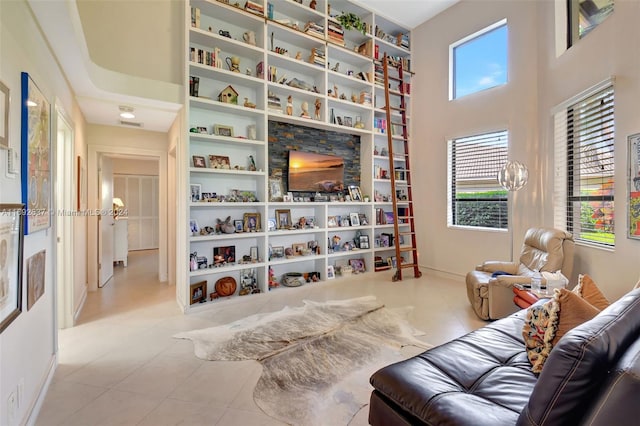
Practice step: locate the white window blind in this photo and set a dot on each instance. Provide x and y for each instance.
(584, 167)
(475, 197)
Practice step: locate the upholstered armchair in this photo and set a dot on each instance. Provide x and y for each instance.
(544, 249)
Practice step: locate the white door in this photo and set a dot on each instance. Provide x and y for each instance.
(107, 223)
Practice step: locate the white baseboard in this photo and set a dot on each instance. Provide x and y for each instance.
(35, 406)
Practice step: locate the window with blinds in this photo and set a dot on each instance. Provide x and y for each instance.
(475, 197)
(584, 167)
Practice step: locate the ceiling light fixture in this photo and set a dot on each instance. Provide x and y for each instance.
(126, 112)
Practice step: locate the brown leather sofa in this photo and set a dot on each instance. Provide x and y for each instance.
(544, 249)
(592, 376)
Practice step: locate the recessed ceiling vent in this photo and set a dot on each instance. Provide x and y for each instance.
(130, 123)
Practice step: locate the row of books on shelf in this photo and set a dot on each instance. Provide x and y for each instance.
(400, 39)
(335, 33)
(194, 83)
(314, 29)
(205, 57)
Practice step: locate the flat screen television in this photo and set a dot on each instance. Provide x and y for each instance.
(309, 172)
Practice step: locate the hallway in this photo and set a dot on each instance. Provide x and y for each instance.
(121, 365)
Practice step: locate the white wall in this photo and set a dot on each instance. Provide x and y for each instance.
(27, 346)
(537, 82)
(126, 166)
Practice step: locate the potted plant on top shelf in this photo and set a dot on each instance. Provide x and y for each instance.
(351, 21)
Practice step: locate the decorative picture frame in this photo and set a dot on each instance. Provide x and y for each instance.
(224, 255)
(348, 121)
(277, 252)
(332, 222)
(198, 292)
(35, 277)
(358, 265)
(298, 248)
(339, 120)
(193, 226)
(634, 187)
(36, 156)
(199, 161)
(276, 189)
(355, 193)
(252, 222)
(239, 225)
(11, 252)
(4, 115)
(253, 252)
(271, 224)
(362, 217)
(389, 217)
(283, 218)
(364, 242)
(354, 219)
(219, 162)
(196, 192)
(222, 130)
(331, 273)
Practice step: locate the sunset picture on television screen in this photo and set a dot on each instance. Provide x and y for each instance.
(315, 172)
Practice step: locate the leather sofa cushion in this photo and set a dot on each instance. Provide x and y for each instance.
(485, 371)
(543, 249)
(578, 365)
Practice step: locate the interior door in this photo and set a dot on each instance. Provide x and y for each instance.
(107, 223)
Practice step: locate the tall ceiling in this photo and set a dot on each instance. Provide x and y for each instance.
(99, 47)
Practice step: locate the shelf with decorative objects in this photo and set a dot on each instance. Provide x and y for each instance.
(259, 71)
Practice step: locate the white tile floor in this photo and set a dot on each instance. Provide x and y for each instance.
(120, 364)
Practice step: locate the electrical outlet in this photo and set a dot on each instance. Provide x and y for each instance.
(12, 407)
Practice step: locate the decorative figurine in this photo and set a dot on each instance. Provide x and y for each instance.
(312, 5)
(336, 68)
(299, 55)
(252, 164)
(305, 110)
(335, 91)
(233, 63)
(248, 71)
(290, 105)
(217, 62)
(318, 105)
(249, 104)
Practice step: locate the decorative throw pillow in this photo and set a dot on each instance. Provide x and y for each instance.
(545, 324)
(588, 290)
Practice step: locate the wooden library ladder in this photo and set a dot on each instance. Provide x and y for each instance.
(401, 177)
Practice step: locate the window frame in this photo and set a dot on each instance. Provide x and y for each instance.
(488, 180)
(464, 40)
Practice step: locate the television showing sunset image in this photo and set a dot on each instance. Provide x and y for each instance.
(315, 172)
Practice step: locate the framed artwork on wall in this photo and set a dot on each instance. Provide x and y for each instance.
(11, 247)
(634, 186)
(4, 116)
(36, 156)
(35, 277)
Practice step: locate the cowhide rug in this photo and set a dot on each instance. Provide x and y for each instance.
(316, 359)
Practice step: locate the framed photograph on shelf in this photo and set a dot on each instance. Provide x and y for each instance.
(277, 252)
(198, 292)
(219, 162)
(36, 147)
(4, 116)
(634, 186)
(363, 219)
(252, 222)
(224, 255)
(354, 193)
(389, 218)
(221, 130)
(276, 189)
(11, 250)
(298, 248)
(193, 226)
(283, 218)
(196, 192)
(331, 273)
(253, 252)
(348, 121)
(239, 225)
(355, 219)
(364, 242)
(357, 265)
(199, 161)
(271, 224)
(339, 120)
(332, 222)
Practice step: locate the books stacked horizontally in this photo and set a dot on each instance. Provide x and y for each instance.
(318, 57)
(254, 7)
(335, 33)
(273, 103)
(379, 73)
(314, 29)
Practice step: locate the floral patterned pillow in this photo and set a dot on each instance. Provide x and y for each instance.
(546, 323)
